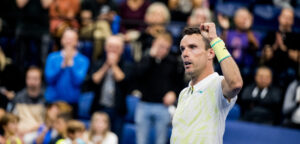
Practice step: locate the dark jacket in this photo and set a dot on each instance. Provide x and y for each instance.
(121, 90)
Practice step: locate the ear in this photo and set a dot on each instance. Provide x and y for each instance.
(210, 54)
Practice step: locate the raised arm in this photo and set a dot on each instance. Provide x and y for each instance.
(233, 82)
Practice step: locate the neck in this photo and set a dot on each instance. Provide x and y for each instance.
(33, 92)
(201, 76)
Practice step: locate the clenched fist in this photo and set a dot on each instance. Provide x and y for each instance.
(208, 31)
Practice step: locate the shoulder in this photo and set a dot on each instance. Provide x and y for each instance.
(20, 96)
(81, 57)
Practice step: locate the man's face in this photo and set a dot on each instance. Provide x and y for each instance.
(114, 45)
(286, 19)
(163, 47)
(69, 39)
(243, 20)
(33, 79)
(194, 55)
(263, 78)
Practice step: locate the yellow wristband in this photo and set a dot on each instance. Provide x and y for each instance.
(219, 48)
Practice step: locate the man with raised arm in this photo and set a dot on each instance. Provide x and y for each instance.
(203, 106)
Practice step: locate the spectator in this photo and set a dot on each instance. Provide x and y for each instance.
(46, 132)
(62, 16)
(9, 123)
(261, 101)
(100, 130)
(60, 126)
(110, 77)
(159, 83)
(177, 13)
(241, 41)
(132, 13)
(157, 17)
(29, 104)
(102, 12)
(65, 71)
(198, 16)
(9, 75)
(284, 48)
(75, 130)
(32, 33)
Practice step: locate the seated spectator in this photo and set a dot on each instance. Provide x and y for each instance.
(32, 32)
(9, 123)
(157, 17)
(177, 13)
(46, 131)
(110, 82)
(75, 130)
(60, 126)
(159, 81)
(9, 75)
(96, 17)
(62, 16)
(284, 48)
(132, 13)
(199, 16)
(291, 107)
(65, 71)
(261, 101)
(100, 130)
(29, 104)
(241, 41)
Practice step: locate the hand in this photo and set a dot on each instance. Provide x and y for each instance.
(154, 51)
(112, 59)
(169, 98)
(208, 31)
(68, 58)
(223, 21)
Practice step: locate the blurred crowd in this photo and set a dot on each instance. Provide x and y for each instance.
(53, 51)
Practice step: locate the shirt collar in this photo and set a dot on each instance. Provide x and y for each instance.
(200, 84)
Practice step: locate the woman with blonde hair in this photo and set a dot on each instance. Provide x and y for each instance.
(100, 130)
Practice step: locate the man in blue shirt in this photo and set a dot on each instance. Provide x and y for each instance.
(65, 71)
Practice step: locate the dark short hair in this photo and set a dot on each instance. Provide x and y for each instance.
(195, 30)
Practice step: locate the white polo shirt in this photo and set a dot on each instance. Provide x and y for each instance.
(201, 113)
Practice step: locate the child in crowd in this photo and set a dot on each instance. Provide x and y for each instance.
(75, 131)
(9, 122)
(46, 131)
(100, 130)
(60, 125)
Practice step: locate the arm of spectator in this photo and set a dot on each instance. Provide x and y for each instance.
(52, 68)
(46, 3)
(21, 3)
(169, 98)
(98, 75)
(253, 40)
(118, 73)
(289, 103)
(224, 24)
(40, 138)
(79, 70)
(2, 112)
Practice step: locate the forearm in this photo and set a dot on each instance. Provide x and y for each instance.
(98, 75)
(118, 73)
(232, 77)
(232, 82)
